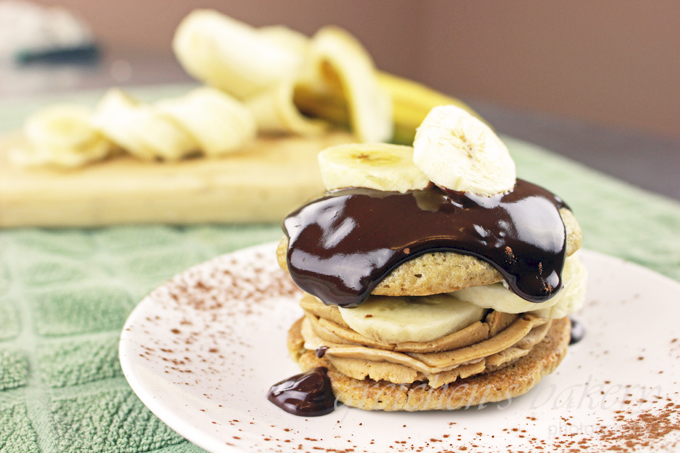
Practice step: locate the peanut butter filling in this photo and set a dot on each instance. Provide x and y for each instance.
(488, 345)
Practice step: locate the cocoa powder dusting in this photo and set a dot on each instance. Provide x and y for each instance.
(645, 429)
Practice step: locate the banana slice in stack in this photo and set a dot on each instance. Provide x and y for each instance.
(401, 319)
(565, 302)
(140, 130)
(377, 166)
(218, 123)
(573, 295)
(459, 152)
(61, 135)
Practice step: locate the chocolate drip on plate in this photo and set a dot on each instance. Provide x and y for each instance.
(342, 245)
(308, 394)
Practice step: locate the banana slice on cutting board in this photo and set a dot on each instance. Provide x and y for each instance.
(401, 319)
(459, 152)
(140, 129)
(377, 166)
(216, 121)
(569, 299)
(231, 55)
(61, 135)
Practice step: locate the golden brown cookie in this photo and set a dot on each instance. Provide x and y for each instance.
(444, 272)
(518, 375)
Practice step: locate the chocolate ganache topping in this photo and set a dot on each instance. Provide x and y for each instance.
(342, 245)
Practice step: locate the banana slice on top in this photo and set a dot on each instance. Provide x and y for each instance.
(61, 135)
(377, 166)
(459, 152)
(401, 319)
(219, 123)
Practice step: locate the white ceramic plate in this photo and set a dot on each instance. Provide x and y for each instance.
(202, 350)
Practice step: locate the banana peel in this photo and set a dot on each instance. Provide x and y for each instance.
(411, 102)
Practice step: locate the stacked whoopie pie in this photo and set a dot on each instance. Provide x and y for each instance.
(434, 278)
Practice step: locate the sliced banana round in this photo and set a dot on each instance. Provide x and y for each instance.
(401, 319)
(140, 129)
(342, 64)
(219, 123)
(499, 298)
(232, 55)
(62, 135)
(459, 152)
(377, 166)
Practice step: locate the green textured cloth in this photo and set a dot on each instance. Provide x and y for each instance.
(65, 294)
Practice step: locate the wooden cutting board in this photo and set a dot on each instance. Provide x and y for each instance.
(261, 183)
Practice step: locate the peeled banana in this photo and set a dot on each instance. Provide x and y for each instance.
(379, 166)
(272, 68)
(459, 152)
(401, 319)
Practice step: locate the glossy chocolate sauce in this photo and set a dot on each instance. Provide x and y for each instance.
(308, 394)
(343, 244)
(577, 331)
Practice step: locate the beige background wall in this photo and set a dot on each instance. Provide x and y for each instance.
(615, 62)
